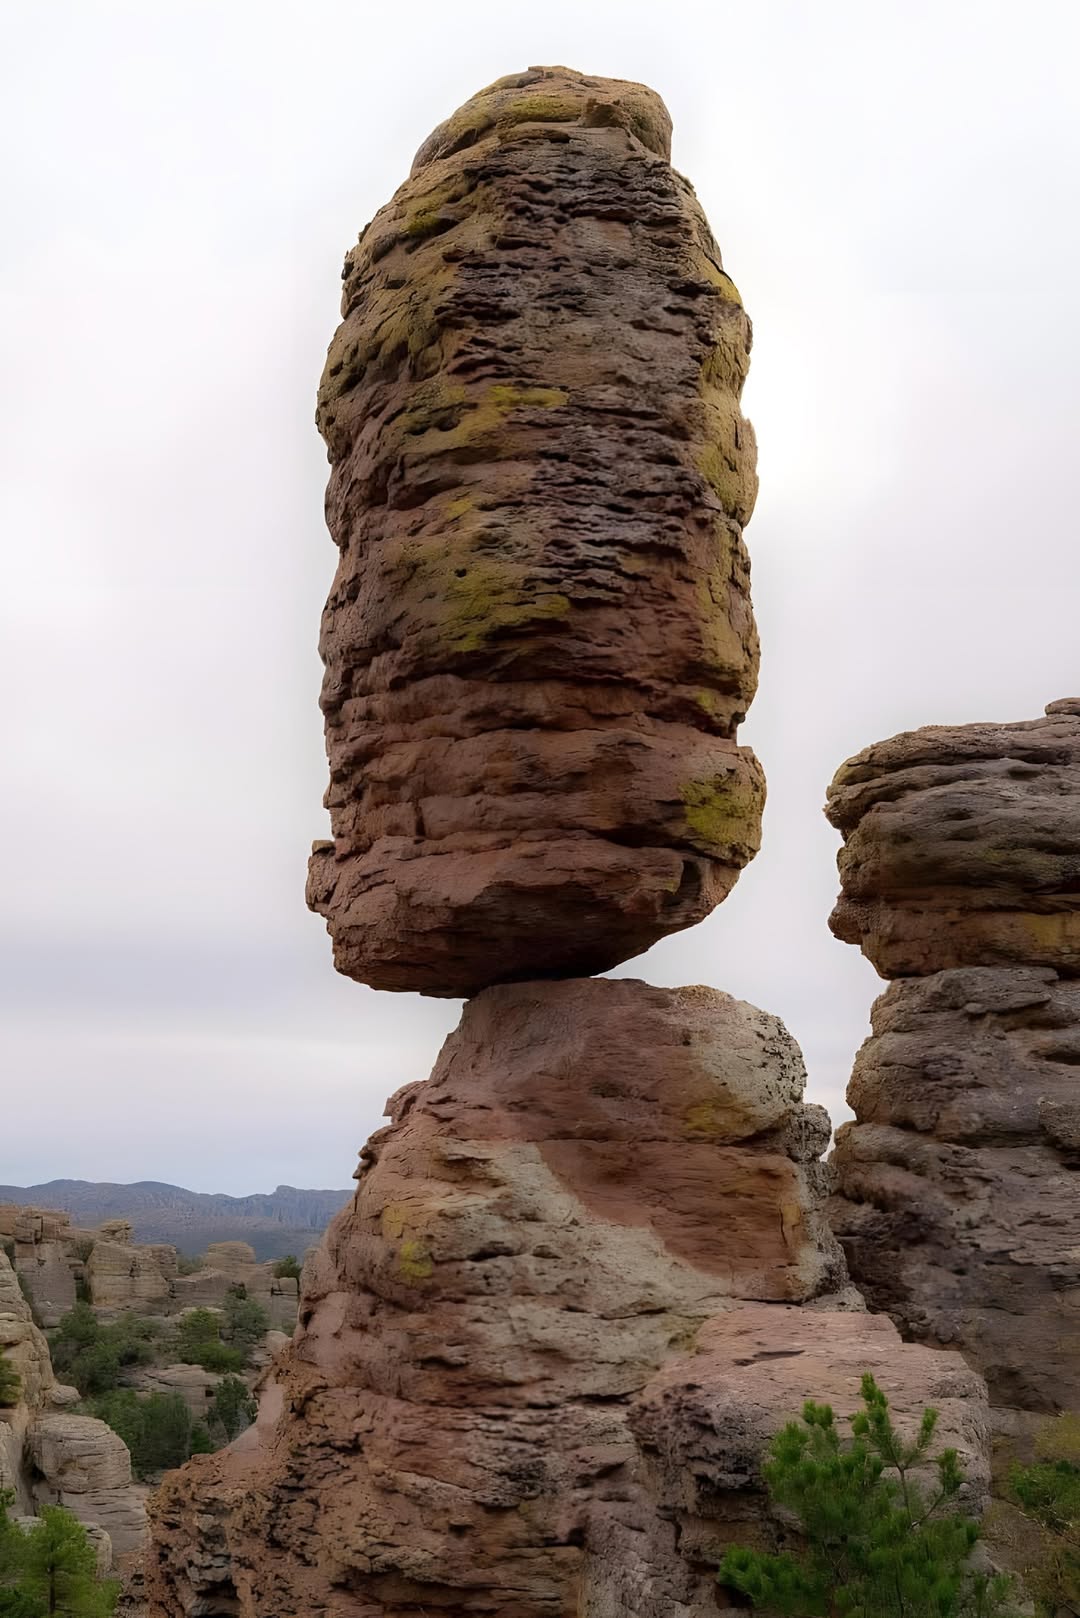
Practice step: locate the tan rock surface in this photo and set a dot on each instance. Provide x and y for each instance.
(539, 641)
(962, 846)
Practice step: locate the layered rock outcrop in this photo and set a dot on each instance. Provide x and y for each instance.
(958, 1185)
(523, 1382)
(539, 642)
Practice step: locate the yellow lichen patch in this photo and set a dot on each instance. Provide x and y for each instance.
(711, 1119)
(544, 109)
(482, 416)
(460, 506)
(723, 814)
(727, 461)
(721, 639)
(414, 1262)
(426, 210)
(719, 278)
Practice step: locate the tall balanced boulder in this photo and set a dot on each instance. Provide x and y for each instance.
(958, 1185)
(539, 641)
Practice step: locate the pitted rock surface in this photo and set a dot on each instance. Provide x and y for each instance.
(595, 1171)
(958, 1185)
(962, 846)
(539, 642)
(958, 1188)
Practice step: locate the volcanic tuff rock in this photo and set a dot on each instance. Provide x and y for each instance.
(958, 1185)
(962, 846)
(539, 641)
(530, 1315)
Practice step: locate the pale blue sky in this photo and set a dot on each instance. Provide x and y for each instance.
(893, 188)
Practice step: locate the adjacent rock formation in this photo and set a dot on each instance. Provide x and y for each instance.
(958, 1186)
(51, 1457)
(539, 642)
(523, 1383)
(962, 846)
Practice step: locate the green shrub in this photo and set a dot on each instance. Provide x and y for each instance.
(10, 1383)
(158, 1429)
(190, 1265)
(1048, 1494)
(875, 1543)
(92, 1355)
(245, 1321)
(289, 1265)
(198, 1342)
(231, 1409)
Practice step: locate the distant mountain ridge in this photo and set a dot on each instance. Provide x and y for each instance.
(287, 1220)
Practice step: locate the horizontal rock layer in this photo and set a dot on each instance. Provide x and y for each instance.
(958, 1188)
(962, 846)
(539, 641)
(578, 1202)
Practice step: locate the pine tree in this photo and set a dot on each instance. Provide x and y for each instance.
(876, 1545)
(59, 1569)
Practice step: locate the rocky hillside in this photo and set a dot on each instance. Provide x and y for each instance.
(287, 1220)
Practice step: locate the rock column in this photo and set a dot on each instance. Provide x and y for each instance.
(958, 1185)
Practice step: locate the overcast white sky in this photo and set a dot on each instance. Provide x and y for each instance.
(894, 188)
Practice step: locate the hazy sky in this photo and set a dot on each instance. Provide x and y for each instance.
(894, 190)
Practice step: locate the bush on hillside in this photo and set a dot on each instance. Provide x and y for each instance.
(198, 1342)
(245, 1322)
(876, 1544)
(157, 1429)
(232, 1408)
(91, 1355)
(289, 1265)
(1047, 1493)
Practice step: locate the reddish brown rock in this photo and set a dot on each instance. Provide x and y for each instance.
(958, 1185)
(595, 1171)
(539, 642)
(962, 846)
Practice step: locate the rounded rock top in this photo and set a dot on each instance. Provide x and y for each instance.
(551, 95)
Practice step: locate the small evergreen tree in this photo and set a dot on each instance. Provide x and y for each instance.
(58, 1570)
(289, 1265)
(876, 1544)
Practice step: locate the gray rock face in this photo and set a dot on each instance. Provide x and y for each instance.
(958, 1185)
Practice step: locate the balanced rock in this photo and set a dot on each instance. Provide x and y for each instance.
(539, 641)
(958, 1185)
(962, 846)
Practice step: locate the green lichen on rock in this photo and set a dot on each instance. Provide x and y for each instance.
(723, 814)
(414, 1262)
(543, 109)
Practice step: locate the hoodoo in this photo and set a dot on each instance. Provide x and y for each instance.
(539, 642)
(958, 1184)
(585, 1274)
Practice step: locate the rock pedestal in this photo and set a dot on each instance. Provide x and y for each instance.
(526, 1380)
(958, 1185)
(539, 642)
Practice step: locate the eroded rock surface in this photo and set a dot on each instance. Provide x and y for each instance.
(539, 641)
(958, 1185)
(962, 846)
(584, 1278)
